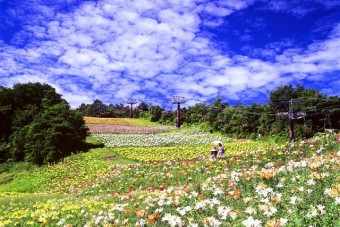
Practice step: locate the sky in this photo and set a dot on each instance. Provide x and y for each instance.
(153, 50)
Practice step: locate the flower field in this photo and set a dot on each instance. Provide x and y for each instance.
(118, 121)
(119, 129)
(183, 137)
(176, 184)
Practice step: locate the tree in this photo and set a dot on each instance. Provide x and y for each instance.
(55, 133)
(97, 108)
(215, 114)
(197, 113)
(156, 113)
(302, 105)
(41, 127)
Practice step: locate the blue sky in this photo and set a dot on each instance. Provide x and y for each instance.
(151, 50)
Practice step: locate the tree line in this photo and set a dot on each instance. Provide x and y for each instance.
(38, 126)
(310, 111)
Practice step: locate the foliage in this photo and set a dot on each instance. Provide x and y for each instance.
(99, 109)
(242, 121)
(40, 126)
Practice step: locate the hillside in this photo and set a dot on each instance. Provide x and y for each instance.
(167, 178)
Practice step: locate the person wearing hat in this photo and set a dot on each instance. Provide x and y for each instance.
(213, 153)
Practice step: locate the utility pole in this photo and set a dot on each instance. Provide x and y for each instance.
(131, 102)
(291, 121)
(178, 100)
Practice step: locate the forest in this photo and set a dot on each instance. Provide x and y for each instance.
(309, 110)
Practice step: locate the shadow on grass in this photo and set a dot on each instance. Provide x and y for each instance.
(90, 143)
(88, 146)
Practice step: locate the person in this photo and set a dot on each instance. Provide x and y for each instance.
(220, 151)
(213, 153)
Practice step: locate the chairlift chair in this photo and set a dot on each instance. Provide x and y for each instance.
(308, 127)
(327, 127)
(265, 129)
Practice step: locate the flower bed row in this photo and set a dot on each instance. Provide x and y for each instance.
(105, 128)
(160, 139)
(118, 121)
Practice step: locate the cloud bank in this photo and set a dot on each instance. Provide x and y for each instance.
(151, 50)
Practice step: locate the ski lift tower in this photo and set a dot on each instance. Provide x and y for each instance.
(131, 102)
(178, 100)
(292, 115)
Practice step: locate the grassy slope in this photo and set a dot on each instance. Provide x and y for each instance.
(26, 178)
(41, 182)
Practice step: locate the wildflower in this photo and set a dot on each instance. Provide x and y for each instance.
(251, 222)
(159, 210)
(61, 222)
(283, 221)
(250, 210)
(233, 214)
(214, 201)
(97, 220)
(184, 210)
(279, 185)
(247, 199)
(211, 221)
(294, 199)
(265, 200)
(218, 191)
(321, 208)
(311, 182)
(327, 191)
(337, 200)
(223, 211)
(172, 220)
(316, 211)
(193, 224)
(200, 205)
(270, 211)
(141, 213)
(141, 223)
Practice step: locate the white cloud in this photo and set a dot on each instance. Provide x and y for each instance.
(111, 50)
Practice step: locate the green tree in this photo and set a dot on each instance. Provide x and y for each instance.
(216, 118)
(156, 113)
(54, 134)
(41, 126)
(197, 113)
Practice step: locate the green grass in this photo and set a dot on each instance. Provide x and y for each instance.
(26, 178)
